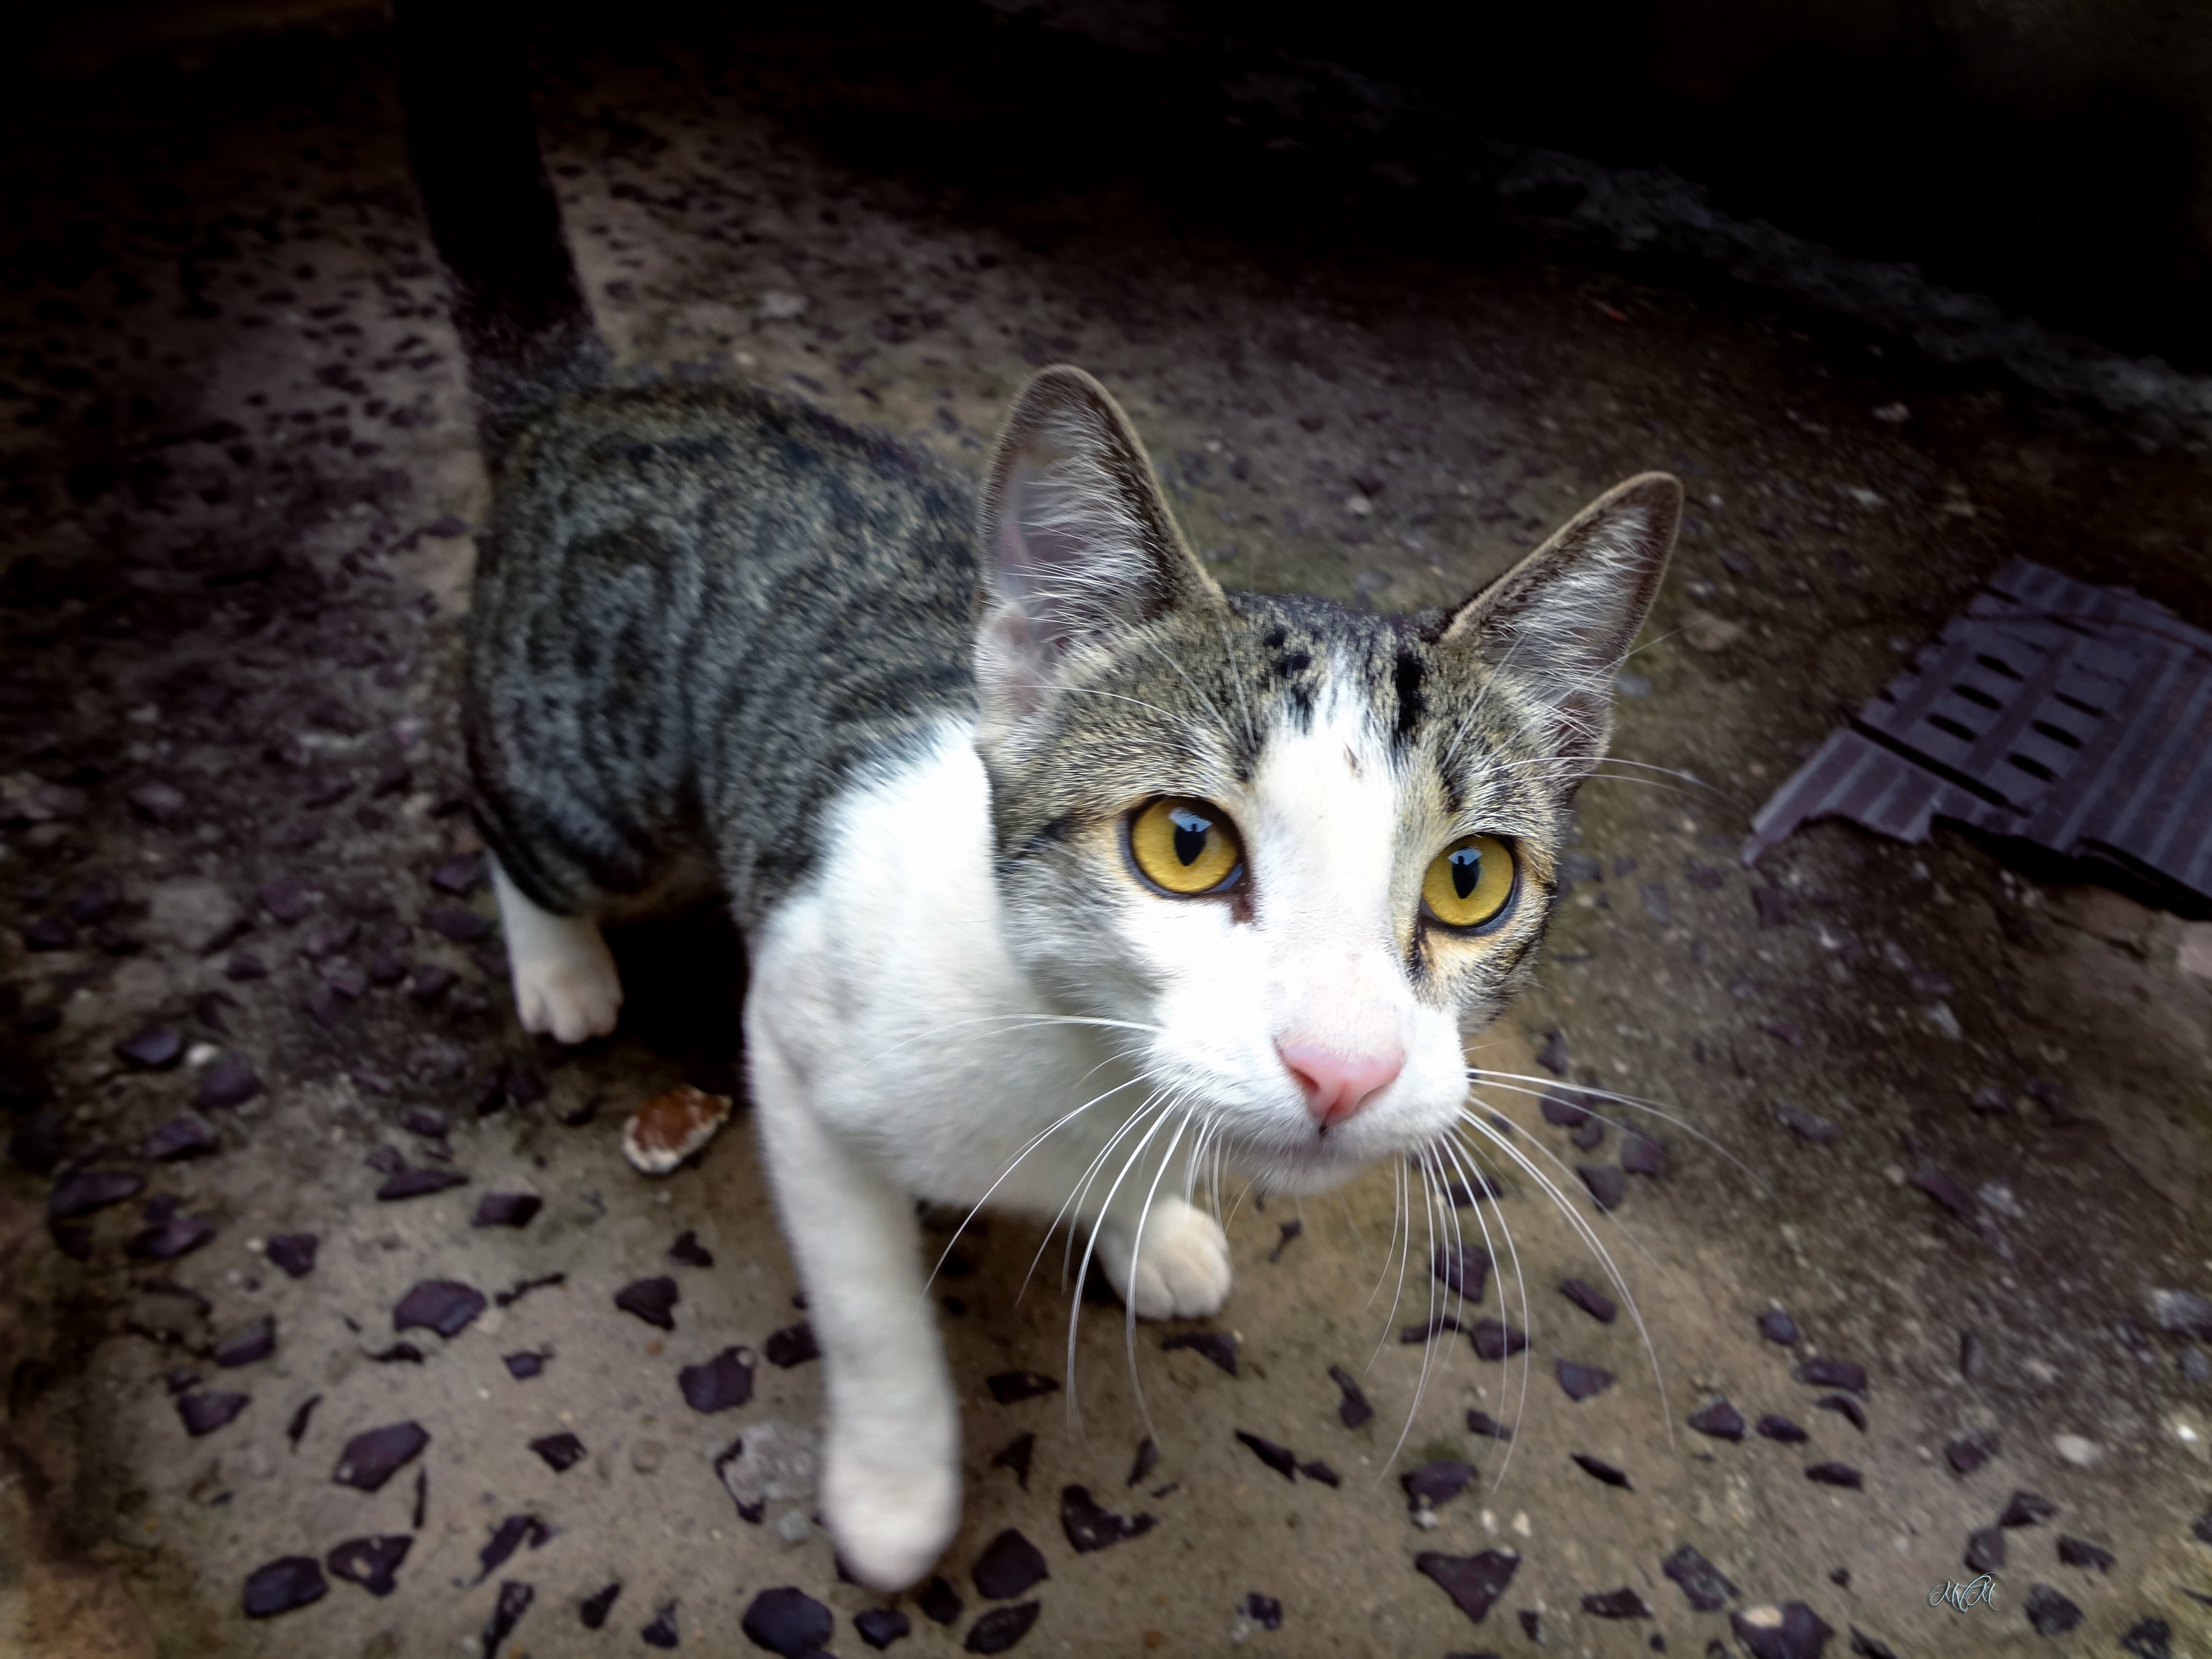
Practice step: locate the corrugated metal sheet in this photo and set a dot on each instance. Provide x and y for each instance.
(2076, 718)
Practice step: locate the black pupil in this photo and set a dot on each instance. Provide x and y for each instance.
(1190, 833)
(1466, 869)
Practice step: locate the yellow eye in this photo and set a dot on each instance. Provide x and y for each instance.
(1185, 846)
(1469, 882)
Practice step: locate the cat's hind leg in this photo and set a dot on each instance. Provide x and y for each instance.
(565, 982)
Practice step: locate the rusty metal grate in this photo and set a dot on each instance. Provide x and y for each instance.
(2075, 718)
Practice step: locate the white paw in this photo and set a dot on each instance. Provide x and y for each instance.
(890, 1521)
(1182, 1262)
(569, 993)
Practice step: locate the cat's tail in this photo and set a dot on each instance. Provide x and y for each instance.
(524, 326)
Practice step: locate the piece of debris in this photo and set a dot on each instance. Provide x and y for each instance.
(672, 1126)
(2068, 716)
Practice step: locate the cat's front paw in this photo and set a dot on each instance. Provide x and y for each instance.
(569, 993)
(890, 1521)
(1181, 1267)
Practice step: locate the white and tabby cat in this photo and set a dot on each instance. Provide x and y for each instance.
(1066, 875)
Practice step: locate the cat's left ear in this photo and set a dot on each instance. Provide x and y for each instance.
(1561, 620)
(1077, 541)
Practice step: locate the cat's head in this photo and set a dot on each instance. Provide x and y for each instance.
(1303, 850)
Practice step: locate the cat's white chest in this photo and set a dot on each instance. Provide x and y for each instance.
(887, 980)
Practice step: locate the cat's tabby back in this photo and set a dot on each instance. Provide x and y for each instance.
(1071, 880)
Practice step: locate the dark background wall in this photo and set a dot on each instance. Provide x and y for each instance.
(2056, 154)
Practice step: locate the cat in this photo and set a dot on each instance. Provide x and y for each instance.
(1067, 877)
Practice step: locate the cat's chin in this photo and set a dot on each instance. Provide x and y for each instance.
(1299, 1172)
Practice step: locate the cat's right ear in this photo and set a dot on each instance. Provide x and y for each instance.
(1078, 541)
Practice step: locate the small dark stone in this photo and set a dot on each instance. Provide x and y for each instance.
(1315, 1469)
(594, 1609)
(1969, 1452)
(1811, 1124)
(1552, 1055)
(370, 1563)
(1594, 1302)
(385, 1159)
(1777, 1326)
(1475, 1190)
(1607, 1186)
(443, 1305)
(562, 1452)
(690, 1251)
(507, 1537)
(1948, 1190)
(1641, 1155)
(1000, 1629)
(1844, 1407)
(328, 938)
(204, 1413)
(650, 1299)
(939, 1603)
(153, 1048)
(1009, 1566)
(2025, 1509)
(2051, 1613)
(285, 901)
(1623, 1603)
(1352, 1409)
(82, 1191)
(294, 1252)
(721, 1384)
(1581, 1381)
(1007, 1387)
(288, 1581)
(1800, 1635)
(525, 1365)
(515, 1599)
(1780, 1428)
(794, 1345)
(1430, 1328)
(1472, 1582)
(460, 924)
(1090, 1528)
(429, 982)
(375, 1456)
(177, 1235)
(787, 1621)
(881, 1626)
(522, 1287)
(506, 1209)
(1832, 1374)
(1288, 1231)
(1985, 1549)
(2149, 1639)
(1836, 1475)
(1217, 1345)
(460, 875)
(1265, 1610)
(1015, 1454)
(399, 1353)
(1148, 1455)
(1464, 1268)
(2080, 1553)
(296, 1430)
(1482, 1423)
(661, 1632)
(256, 1342)
(1436, 1483)
(1563, 1110)
(1495, 1341)
(231, 1081)
(1281, 1459)
(1701, 1580)
(1598, 1469)
(417, 1184)
(179, 1137)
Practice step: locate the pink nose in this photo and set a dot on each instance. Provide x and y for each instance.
(1337, 1085)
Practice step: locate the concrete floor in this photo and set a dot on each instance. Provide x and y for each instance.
(238, 482)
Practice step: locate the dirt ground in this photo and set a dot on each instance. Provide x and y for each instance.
(240, 481)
